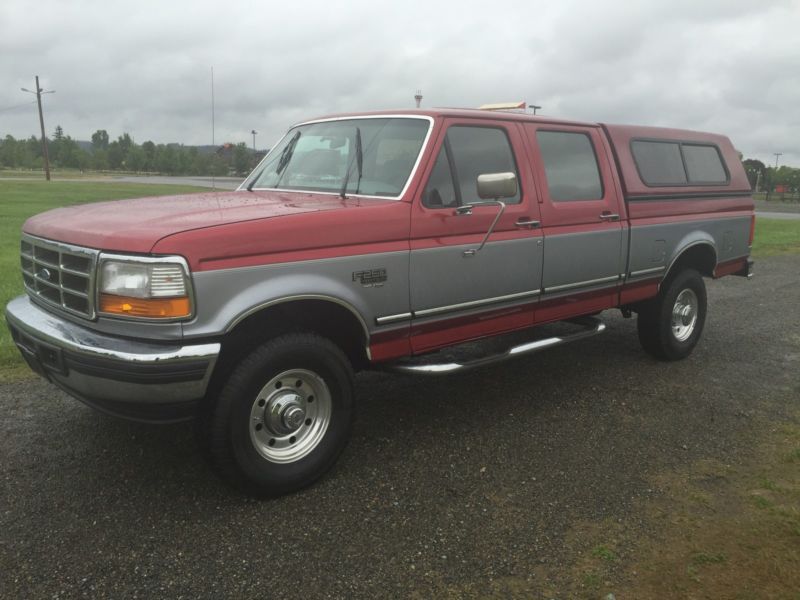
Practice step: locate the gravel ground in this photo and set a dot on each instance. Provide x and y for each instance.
(777, 206)
(448, 484)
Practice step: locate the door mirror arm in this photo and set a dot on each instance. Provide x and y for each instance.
(466, 209)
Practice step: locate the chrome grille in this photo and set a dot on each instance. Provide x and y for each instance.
(60, 275)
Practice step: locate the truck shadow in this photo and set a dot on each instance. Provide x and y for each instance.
(399, 418)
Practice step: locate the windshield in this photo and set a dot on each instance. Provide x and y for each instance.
(368, 157)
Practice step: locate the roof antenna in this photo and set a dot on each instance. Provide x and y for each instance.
(213, 141)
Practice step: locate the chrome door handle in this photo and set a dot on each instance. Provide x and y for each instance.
(607, 216)
(530, 223)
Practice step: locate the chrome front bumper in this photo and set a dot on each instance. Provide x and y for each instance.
(143, 381)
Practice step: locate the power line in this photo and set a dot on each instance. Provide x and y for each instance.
(17, 106)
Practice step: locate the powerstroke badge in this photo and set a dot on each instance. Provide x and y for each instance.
(370, 277)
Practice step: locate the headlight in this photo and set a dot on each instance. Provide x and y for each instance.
(145, 287)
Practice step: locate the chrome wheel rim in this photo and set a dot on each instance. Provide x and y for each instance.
(290, 416)
(684, 315)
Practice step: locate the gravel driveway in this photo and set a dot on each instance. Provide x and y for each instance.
(448, 484)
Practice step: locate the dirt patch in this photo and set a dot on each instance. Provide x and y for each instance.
(717, 531)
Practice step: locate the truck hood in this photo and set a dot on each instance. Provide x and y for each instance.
(136, 225)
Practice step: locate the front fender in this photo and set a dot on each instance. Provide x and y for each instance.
(225, 297)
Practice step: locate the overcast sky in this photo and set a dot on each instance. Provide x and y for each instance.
(726, 66)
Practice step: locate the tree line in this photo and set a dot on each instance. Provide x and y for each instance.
(123, 154)
(764, 179)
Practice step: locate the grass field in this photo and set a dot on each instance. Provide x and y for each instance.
(21, 199)
(775, 237)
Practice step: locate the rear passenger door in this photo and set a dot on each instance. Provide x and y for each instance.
(458, 294)
(584, 258)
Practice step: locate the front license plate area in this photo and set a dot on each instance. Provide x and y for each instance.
(41, 357)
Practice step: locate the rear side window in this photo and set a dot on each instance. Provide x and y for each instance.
(666, 163)
(659, 163)
(704, 164)
(570, 166)
(466, 153)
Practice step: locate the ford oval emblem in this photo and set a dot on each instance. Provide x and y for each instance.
(44, 274)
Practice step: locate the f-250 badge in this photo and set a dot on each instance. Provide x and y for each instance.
(370, 277)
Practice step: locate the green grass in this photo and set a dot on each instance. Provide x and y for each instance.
(22, 199)
(776, 236)
(604, 553)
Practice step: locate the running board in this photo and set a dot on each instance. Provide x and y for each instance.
(591, 326)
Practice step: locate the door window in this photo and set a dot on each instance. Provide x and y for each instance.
(467, 152)
(570, 166)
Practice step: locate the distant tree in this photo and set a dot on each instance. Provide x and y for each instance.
(67, 153)
(100, 160)
(149, 149)
(100, 140)
(753, 167)
(166, 159)
(136, 159)
(115, 155)
(201, 163)
(9, 152)
(241, 159)
(218, 166)
(125, 144)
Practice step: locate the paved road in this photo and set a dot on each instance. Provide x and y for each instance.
(449, 486)
(223, 183)
(777, 215)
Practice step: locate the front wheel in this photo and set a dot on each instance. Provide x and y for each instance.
(670, 325)
(284, 415)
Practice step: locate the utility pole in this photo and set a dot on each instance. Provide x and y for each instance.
(39, 91)
(534, 107)
(254, 132)
(418, 98)
(777, 155)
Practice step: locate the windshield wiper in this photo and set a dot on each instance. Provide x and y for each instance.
(283, 161)
(359, 164)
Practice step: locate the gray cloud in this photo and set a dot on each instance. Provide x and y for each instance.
(725, 66)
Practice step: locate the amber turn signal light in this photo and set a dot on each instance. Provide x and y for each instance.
(154, 308)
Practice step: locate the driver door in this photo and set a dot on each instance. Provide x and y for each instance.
(458, 293)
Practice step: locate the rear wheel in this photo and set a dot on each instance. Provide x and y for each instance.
(671, 324)
(284, 415)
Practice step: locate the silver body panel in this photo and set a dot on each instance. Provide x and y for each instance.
(654, 248)
(443, 277)
(227, 296)
(574, 260)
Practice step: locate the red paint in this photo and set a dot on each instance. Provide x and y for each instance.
(730, 267)
(576, 304)
(639, 290)
(432, 335)
(354, 227)
(621, 136)
(137, 225)
(385, 345)
(651, 212)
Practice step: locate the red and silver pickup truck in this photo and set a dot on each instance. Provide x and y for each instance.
(384, 240)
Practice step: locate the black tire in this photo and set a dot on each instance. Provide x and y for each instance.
(239, 453)
(655, 320)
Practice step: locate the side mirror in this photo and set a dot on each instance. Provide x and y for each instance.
(497, 185)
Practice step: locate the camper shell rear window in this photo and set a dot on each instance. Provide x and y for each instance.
(668, 163)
